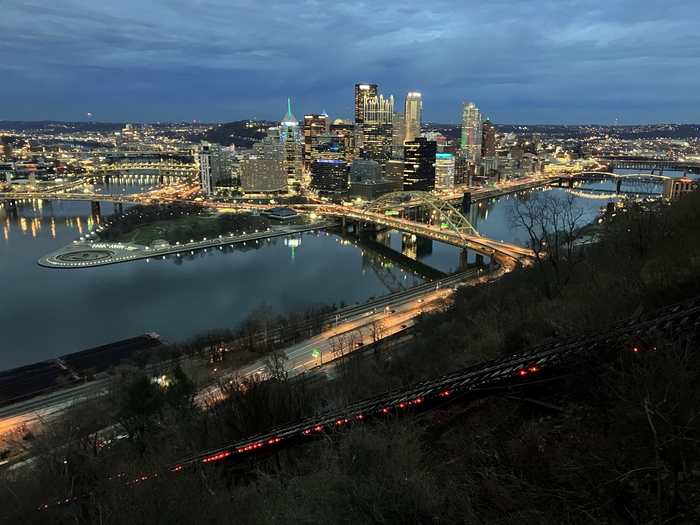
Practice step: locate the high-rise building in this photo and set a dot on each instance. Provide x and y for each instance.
(293, 150)
(346, 130)
(377, 128)
(314, 125)
(263, 169)
(444, 171)
(210, 166)
(419, 165)
(398, 135)
(392, 171)
(471, 132)
(463, 171)
(328, 147)
(413, 115)
(488, 139)
(365, 170)
(362, 92)
(329, 175)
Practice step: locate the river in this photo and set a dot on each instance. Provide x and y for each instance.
(45, 313)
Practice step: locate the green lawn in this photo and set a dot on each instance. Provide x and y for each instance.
(145, 235)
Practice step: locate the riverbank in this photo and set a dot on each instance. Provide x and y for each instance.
(85, 254)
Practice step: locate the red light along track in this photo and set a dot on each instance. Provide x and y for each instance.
(543, 362)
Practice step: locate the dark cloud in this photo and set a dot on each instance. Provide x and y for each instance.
(562, 61)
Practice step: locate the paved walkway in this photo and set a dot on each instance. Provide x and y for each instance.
(84, 254)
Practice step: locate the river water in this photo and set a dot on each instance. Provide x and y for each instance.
(45, 313)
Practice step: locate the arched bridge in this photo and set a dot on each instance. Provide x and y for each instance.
(404, 211)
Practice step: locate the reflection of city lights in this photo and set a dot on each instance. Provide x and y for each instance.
(23, 224)
(53, 227)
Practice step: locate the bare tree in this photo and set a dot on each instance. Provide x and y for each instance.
(557, 229)
(276, 364)
(377, 331)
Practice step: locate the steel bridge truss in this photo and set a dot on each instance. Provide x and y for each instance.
(446, 213)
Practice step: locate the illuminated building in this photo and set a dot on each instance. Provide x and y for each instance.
(412, 116)
(293, 151)
(463, 171)
(346, 130)
(488, 139)
(398, 135)
(329, 175)
(444, 171)
(471, 132)
(328, 147)
(419, 165)
(210, 166)
(673, 189)
(362, 92)
(392, 171)
(314, 126)
(377, 128)
(264, 170)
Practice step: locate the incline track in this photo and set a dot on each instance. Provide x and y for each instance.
(544, 362)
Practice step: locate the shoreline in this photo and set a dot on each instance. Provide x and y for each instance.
(84, 254)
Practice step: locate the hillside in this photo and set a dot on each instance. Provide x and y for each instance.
(612, 442)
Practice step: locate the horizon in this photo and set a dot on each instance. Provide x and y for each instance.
(162, 122)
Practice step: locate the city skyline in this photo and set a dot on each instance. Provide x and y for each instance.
(571, 62)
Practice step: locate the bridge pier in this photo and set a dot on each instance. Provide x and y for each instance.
(571, 183)
(466, 202)
(10, 206)
(95, 207)
(618, 187)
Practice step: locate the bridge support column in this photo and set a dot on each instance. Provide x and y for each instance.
(619, 186)
(344, 223)
(121, 208)
(95, 206)
(561, 182)
(571, 182)
(116, 208)
(479, 259)
(466, 202)
(492, 263)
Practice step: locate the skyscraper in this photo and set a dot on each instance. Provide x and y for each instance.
(293, 151)
(377, 128)
(471, 132)
(363, 91)
(215, 165)
(444, 171)
(315, 125)
(398, 135)
(346, 130)
(412, 115)
(419, 165)
(488, 140)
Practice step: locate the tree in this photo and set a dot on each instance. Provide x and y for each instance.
(557, 229)
(377, 330)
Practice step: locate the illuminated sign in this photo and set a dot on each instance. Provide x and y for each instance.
(391, 212)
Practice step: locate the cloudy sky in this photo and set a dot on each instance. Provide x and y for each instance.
(519, 61)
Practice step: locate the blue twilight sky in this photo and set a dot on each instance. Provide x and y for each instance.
(520, 61)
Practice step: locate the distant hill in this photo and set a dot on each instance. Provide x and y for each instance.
(648, 131)
(51, 126)
(239, 133)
